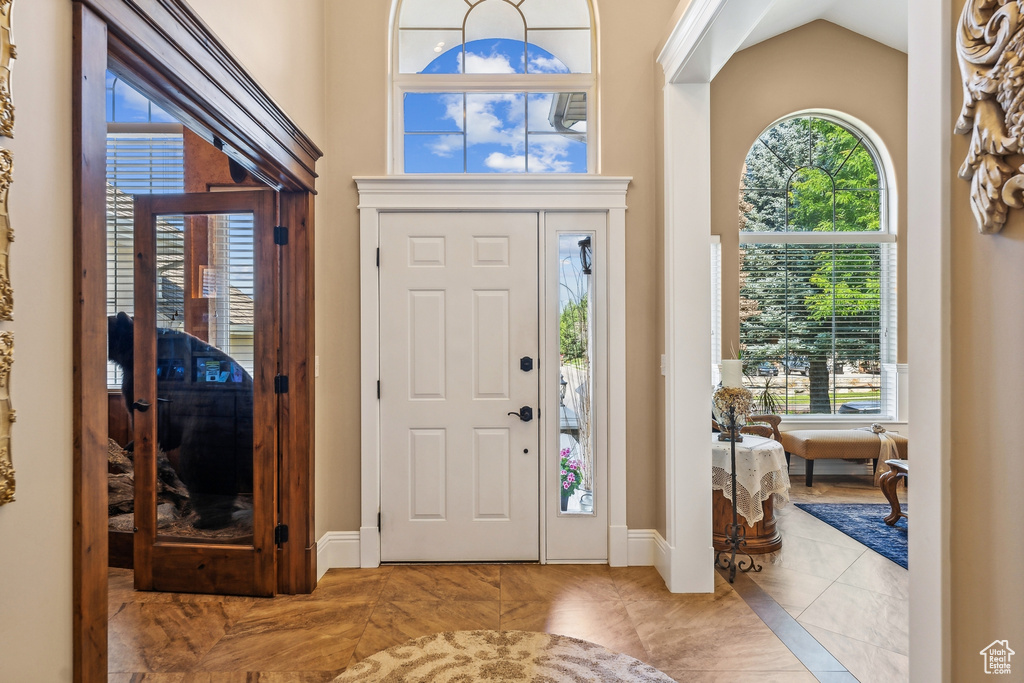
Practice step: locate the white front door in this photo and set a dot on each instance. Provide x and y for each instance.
(458, 312)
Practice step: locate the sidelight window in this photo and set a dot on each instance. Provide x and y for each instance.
(576, 378)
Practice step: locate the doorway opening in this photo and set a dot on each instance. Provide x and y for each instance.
(187, 74)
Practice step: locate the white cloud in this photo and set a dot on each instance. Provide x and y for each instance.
(505, 163)
(547, 155)
(546, 65)
(482, 64)
(446, 146)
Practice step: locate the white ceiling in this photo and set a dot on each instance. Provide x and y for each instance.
(882, 20)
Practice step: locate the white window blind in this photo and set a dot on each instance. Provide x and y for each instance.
(232, 289)
(137, 163)
(820, 314)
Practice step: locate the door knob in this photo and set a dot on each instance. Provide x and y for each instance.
(525, 413)
(142, 405)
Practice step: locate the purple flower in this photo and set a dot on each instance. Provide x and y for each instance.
(565, 485)
(570, 478)
(563, 473)
(565, 452)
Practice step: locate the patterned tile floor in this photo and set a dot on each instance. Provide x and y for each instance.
(853, 601)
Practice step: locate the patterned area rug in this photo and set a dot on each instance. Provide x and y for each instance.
(463, 656)
(865, 522)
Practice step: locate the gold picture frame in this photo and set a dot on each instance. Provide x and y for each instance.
(7, 416)
(8, 52)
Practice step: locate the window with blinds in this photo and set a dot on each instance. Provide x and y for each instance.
(145, 155)
(817, 272)
(230, 287)
(716, 308)
(139, 163)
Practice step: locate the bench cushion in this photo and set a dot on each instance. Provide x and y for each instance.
(850, 444)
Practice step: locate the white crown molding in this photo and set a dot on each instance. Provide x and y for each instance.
(492, 192)
(707, 35)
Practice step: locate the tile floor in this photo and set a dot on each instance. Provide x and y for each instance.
(851, 600)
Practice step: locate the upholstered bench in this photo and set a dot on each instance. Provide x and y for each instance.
(846, 444)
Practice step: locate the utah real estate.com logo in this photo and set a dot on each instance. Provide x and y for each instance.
(997, 657)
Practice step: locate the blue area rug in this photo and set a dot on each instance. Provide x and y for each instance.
(865, 523)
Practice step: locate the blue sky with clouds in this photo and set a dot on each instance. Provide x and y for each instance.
(490, 132)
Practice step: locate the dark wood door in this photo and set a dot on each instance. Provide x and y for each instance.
(206, 344)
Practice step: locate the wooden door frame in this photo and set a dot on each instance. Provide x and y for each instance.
(173, 58)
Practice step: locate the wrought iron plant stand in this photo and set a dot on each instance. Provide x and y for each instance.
(726, 559)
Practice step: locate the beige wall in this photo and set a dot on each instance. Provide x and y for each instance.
(817, 66)
(35, 530)
(283, 50)
(987, 461)
(630, 34)
(357, 54)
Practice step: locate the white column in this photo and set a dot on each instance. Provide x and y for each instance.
(687, 338)
(928, 341)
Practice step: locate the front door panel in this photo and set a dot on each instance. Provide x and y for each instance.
(458, 311)
(204, 410)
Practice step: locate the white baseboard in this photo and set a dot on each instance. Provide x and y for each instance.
(642, 547)
(337, 550)
(349, 549)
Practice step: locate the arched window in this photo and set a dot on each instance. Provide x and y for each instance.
(493, 86)
(817, 271)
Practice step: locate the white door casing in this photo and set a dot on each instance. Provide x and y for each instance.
(459, 309)
(555, 199)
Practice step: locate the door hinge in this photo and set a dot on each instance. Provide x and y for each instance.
(378, 257)
(280, 235)
(280, 534)
(281, 384)
(378, 390)
(378, 521)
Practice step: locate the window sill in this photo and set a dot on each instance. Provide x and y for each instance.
(790, 423)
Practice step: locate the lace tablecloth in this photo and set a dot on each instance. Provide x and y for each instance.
(760, 472)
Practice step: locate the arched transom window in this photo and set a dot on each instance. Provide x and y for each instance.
(817, 271)
(494, 86)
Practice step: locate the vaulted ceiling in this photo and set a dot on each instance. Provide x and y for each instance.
(882, 20)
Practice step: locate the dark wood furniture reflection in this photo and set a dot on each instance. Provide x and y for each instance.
(887, 481)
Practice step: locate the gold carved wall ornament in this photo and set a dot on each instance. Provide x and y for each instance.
(6, 236)
(8, 52)
(6, 418)
(990, 49)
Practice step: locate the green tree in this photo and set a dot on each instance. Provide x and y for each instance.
(573, 330)
(819, 302)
